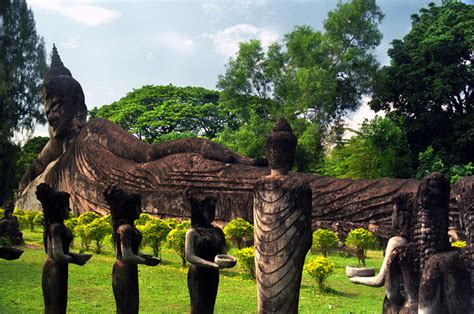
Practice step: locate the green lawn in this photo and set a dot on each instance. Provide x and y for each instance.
(163, 289)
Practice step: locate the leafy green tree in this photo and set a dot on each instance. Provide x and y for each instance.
(154, 233)
(324, 240)
(238, 230)
(97, 230)
(379, 149)
(320, 269)
(143, 219)
(361, 240)
(246, 260)
(29, 152)
(313, 78)
(429, 82)
(158, 113)
(176, 239)
(22, 67)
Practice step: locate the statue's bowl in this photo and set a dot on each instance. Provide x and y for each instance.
(360, 271)
(225, 261)
(10, 253)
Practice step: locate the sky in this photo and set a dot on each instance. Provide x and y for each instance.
(113, 47)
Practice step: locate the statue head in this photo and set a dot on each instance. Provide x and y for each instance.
(281, 146)
(203, 208)
(55, 204)
(125, 207)
(404, 214)
(64, 103)
(432, 206)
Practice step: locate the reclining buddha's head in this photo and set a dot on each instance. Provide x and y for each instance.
(64, 103)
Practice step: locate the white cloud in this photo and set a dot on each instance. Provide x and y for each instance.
(175, 41)
(364, 112)
(226, 42)
(70, 44)
(81, 11)
(218, 9)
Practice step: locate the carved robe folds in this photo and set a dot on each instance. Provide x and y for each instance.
(282, 218)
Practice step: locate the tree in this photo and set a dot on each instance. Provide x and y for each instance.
(177, 237)
(361, 240)
(313, 78)
(238, 230)
(154, 233)
(379, 149)
(157, 113)
(97, 230)
(22, 67)
(29, 152)
(429, 82)
(324, 240)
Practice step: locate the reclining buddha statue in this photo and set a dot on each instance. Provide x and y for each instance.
(83, 157)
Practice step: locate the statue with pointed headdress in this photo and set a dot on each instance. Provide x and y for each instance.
(282, 219)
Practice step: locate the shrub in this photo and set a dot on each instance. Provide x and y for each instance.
(82, 230)
(459, 244)
(246, 260)
(320, 268)
(238, 230)
(172, 222)
(177, 237)
(2, 212)
(38, 220)
(142, 220)
(71, 224)
(154, 233)
(97, 230)
(361, 240)
(324, 240)
(29, 216)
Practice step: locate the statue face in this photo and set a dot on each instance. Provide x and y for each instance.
(61, 117)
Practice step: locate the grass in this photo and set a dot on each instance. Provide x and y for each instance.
(163, 289)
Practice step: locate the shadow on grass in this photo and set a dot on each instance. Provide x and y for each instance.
(328, 291)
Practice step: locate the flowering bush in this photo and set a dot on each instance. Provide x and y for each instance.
(361, 240)
(320, 268)
(245, 258)
(324, 240)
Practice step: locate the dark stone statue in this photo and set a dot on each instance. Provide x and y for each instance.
(125, 208)
(82, 158)
(206, 250)
(9, 226)
(282, 220)
(57, 239)
(421, 271)
(400, 270)
(445, 285)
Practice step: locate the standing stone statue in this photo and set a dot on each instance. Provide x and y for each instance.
(445, 285)
(206, 250)
(400, 270)
(282, 219)
(57, 239)
(125, 209)
(9, 226)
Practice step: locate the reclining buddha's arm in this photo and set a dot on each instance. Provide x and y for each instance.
(127, 146)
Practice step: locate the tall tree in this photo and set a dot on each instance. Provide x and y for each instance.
(430, 82)
(157, 113)
(22, 65)
(313, 78)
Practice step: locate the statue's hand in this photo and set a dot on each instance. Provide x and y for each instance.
(81, 259)
(151, 261)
